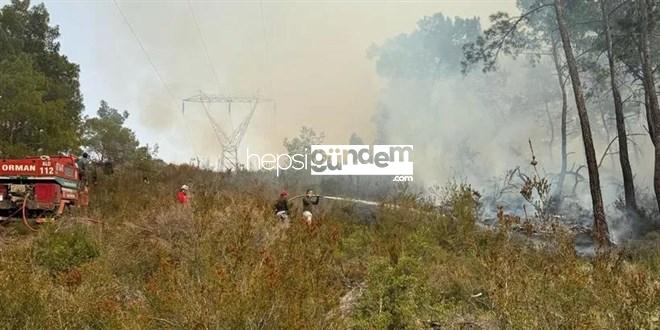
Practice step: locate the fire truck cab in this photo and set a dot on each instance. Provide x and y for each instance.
(42, 184)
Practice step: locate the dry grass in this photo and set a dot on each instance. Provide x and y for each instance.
(224, 262)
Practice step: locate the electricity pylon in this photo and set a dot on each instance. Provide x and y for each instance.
(229, 141)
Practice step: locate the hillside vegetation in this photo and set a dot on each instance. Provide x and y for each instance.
(136, 259)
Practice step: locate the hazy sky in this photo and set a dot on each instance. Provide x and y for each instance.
(310, 57)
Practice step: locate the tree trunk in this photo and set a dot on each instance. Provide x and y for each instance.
(649, 116)
(564, 110)
(551, 129)
(603, 120)
(608, 136)
(649, 87)
(600, 225)
(628, 183)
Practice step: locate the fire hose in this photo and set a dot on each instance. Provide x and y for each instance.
(361, 201)
(24, 209)
(353, 200)
(13, 214)
(299, 196)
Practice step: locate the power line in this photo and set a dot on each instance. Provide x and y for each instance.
(144, 50)
(206, 50)
(267, 61)
(151, 62)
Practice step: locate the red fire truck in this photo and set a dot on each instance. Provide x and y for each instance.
(39, 185)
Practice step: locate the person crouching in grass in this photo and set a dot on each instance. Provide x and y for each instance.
(309, 203)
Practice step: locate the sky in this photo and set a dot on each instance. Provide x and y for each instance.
(309, 57)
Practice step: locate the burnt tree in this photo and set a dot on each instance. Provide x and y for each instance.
(600, 225)
(628, 184)
(652, 107)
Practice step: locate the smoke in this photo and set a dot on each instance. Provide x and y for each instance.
(466, 127)
(309, 57)
(474, 128)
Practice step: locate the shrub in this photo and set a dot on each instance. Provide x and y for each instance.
(225, 262)
(62, 250)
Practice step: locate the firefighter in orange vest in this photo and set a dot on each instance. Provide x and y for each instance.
(182, 195)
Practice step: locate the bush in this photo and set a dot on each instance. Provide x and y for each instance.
(225, 262)
(21, 303)
(62, 250)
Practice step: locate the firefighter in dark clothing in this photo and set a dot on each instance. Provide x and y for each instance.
(282, 207)
(83, 169)
(308, 205)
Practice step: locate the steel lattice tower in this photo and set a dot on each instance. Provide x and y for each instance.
(229, 141)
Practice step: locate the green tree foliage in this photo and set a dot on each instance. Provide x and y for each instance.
(512, 35)
(434, 48)
(355, 139)
(40, 100)
(626, 26)
(533, 33)
(423, 102)
(106, 137)
(301, 143)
